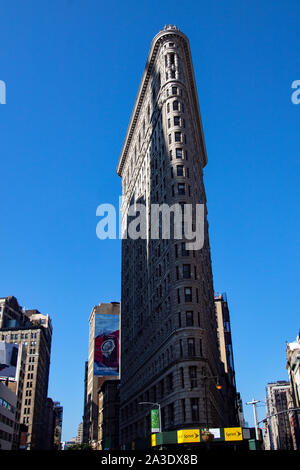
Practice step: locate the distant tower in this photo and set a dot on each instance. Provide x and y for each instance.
(168, 321)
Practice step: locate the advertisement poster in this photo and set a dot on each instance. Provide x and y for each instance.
(155, 424)
(8, 359)
(107, 345)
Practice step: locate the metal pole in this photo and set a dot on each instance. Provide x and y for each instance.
(218, 385)
(254, 403)
(206, 406)
(159, 414)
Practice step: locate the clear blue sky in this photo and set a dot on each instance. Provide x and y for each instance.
(72, 70)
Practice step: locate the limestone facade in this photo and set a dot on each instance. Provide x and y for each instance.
(168, 319)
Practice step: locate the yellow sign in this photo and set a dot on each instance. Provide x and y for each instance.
(233, 434)
(188, 435)
(153, 440)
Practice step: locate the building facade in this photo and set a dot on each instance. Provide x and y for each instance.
(293, 368)
(53, 425)
(13, 377)
(86, 408)
(8, 405)
(49, 425)
(108, 422)
(79, 437)
(58, 421)
(168, 322)
(94, 381)
(234, 407)
(33, 330)
(278, 434)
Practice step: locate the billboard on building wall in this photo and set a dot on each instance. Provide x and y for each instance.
(8, 360)
(107, 345)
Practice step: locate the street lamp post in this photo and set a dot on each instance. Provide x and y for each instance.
(218, 387)
(254, 403)
(159, 410)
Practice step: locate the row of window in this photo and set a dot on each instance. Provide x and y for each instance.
(5, 436)
(7, 405)
(188, 348)
(187, 292)
(17, 336)
(6, 420)
(177, 106)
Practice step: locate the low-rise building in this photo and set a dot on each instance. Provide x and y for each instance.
(8, 402)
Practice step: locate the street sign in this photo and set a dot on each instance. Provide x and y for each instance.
(233, 434)
(188, 435)
(216, 432)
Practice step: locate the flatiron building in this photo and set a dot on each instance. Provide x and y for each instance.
(169, 346)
